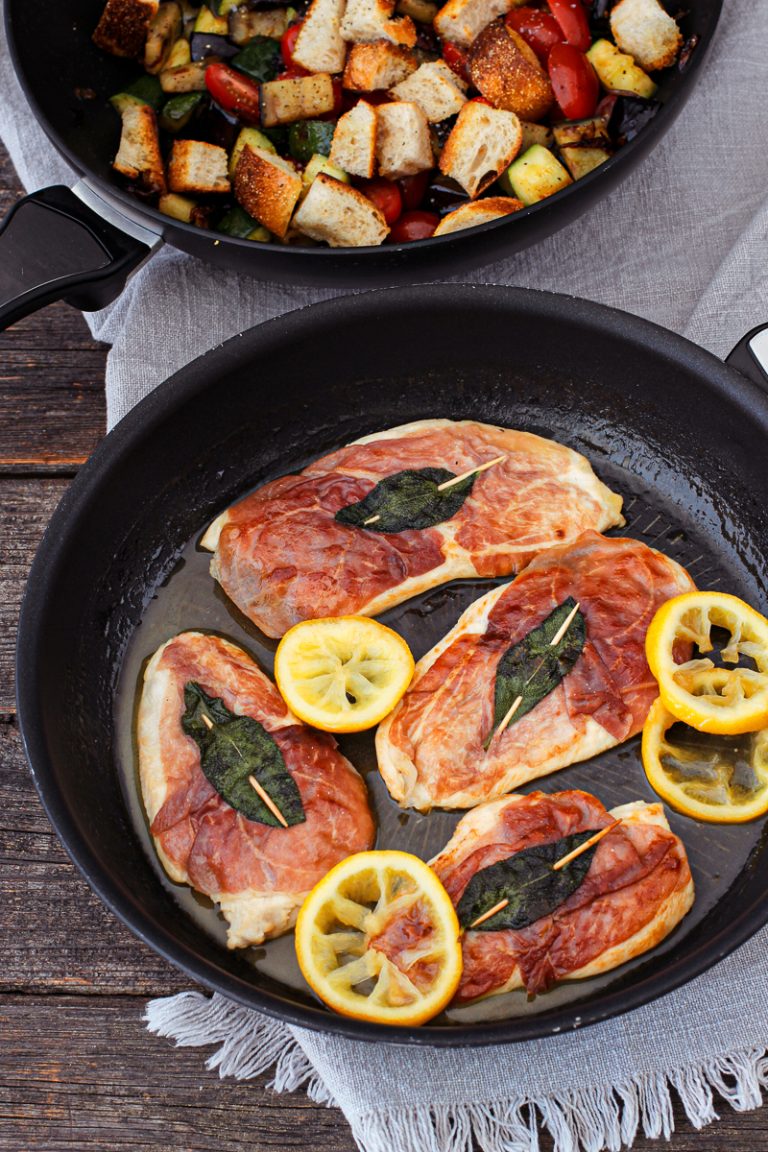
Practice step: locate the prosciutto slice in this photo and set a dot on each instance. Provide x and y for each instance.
(430, 749)
(259, 875)
(280, 555)
(638, 887)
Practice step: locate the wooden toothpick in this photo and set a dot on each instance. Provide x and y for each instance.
(471, 472)
(267, 800)
(491, 912)
(564, 626)
(371, 520)
(207, 721)
(561, 863)
(515, 705)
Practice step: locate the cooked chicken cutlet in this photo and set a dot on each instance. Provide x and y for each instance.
(258, 874)
(282, 556)
(434, 750)
(638, 887)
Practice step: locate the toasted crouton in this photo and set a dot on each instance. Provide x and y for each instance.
(267, 186)
(340, 215)
(436, 90)
(123, 26)
(139, 156)
(319, 46)
(508, 73)
(646, 31)
(403, 145)
(195, 166)
(462, 21)
(366, 20)
(483, 142)
(478, 212)
(380, 65)
(354, 141)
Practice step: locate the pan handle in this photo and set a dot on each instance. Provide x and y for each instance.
(57, 244)
(750, 356)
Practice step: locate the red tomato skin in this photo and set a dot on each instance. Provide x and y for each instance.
(234, 92)
(574, 82)
(572, 18)
(287, 45)
(456, 59)
(413, 226)
(414, 189)
(538, 28)
(386, 196)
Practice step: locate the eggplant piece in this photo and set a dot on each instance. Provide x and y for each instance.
(164, 31)
(205, 44)
(300, 98)
(629, 116)
(443, 195)
(246, 24)
(583, 144)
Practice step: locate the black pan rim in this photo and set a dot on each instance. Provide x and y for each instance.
(577, 192)
(157, 406)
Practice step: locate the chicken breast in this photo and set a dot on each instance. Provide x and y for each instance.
(637, 889)
(259, 875)
(282, 557)
(431, 748)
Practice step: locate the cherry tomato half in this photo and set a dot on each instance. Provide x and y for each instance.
(574, 81)
(414, 226)
(456, 59)
(386, 196)
(414, 189)
(538, 28)
(287, 45)
(572, 19)
(234, 92)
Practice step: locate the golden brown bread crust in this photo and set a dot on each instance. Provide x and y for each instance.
(267, 190)
(122, 29)
(508, 73)
(378, 65)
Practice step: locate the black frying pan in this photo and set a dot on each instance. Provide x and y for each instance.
(82, 247)
(681, 435)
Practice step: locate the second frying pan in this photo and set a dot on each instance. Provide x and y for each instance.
(678, 433)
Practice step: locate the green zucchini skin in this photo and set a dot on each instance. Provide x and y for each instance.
(260, 59)
(177, 112)
(307, 138)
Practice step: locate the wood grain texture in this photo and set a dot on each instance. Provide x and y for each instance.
(78, 1071)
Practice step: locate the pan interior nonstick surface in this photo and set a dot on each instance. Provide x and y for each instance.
(667, 425)
(190, 599)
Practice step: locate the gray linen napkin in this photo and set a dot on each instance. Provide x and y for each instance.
(684, 243)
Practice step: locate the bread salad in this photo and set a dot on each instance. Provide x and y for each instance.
(355, 122)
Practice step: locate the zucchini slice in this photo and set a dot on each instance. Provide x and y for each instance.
(535, 175)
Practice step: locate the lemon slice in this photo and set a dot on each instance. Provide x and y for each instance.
(727, 700)
(378, 939)
(342, 673)
(710, 779)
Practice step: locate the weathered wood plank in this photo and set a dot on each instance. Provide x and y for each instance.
(26, 506)
(99, 1081)
(56, 934)
(52, 411)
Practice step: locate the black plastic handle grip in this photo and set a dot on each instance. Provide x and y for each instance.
(750, 356)
(53, 247)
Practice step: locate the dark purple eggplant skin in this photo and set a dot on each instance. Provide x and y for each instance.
(443, 195)
(205, 44)
(629, 116)
(215, 126)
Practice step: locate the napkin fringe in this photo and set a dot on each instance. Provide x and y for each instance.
(585, 1120)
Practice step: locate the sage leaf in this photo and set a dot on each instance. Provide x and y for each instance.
(527, 881)
(534, 666)
(235, 748)
(408, 500)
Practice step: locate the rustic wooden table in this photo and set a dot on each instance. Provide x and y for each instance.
(77, 1069)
